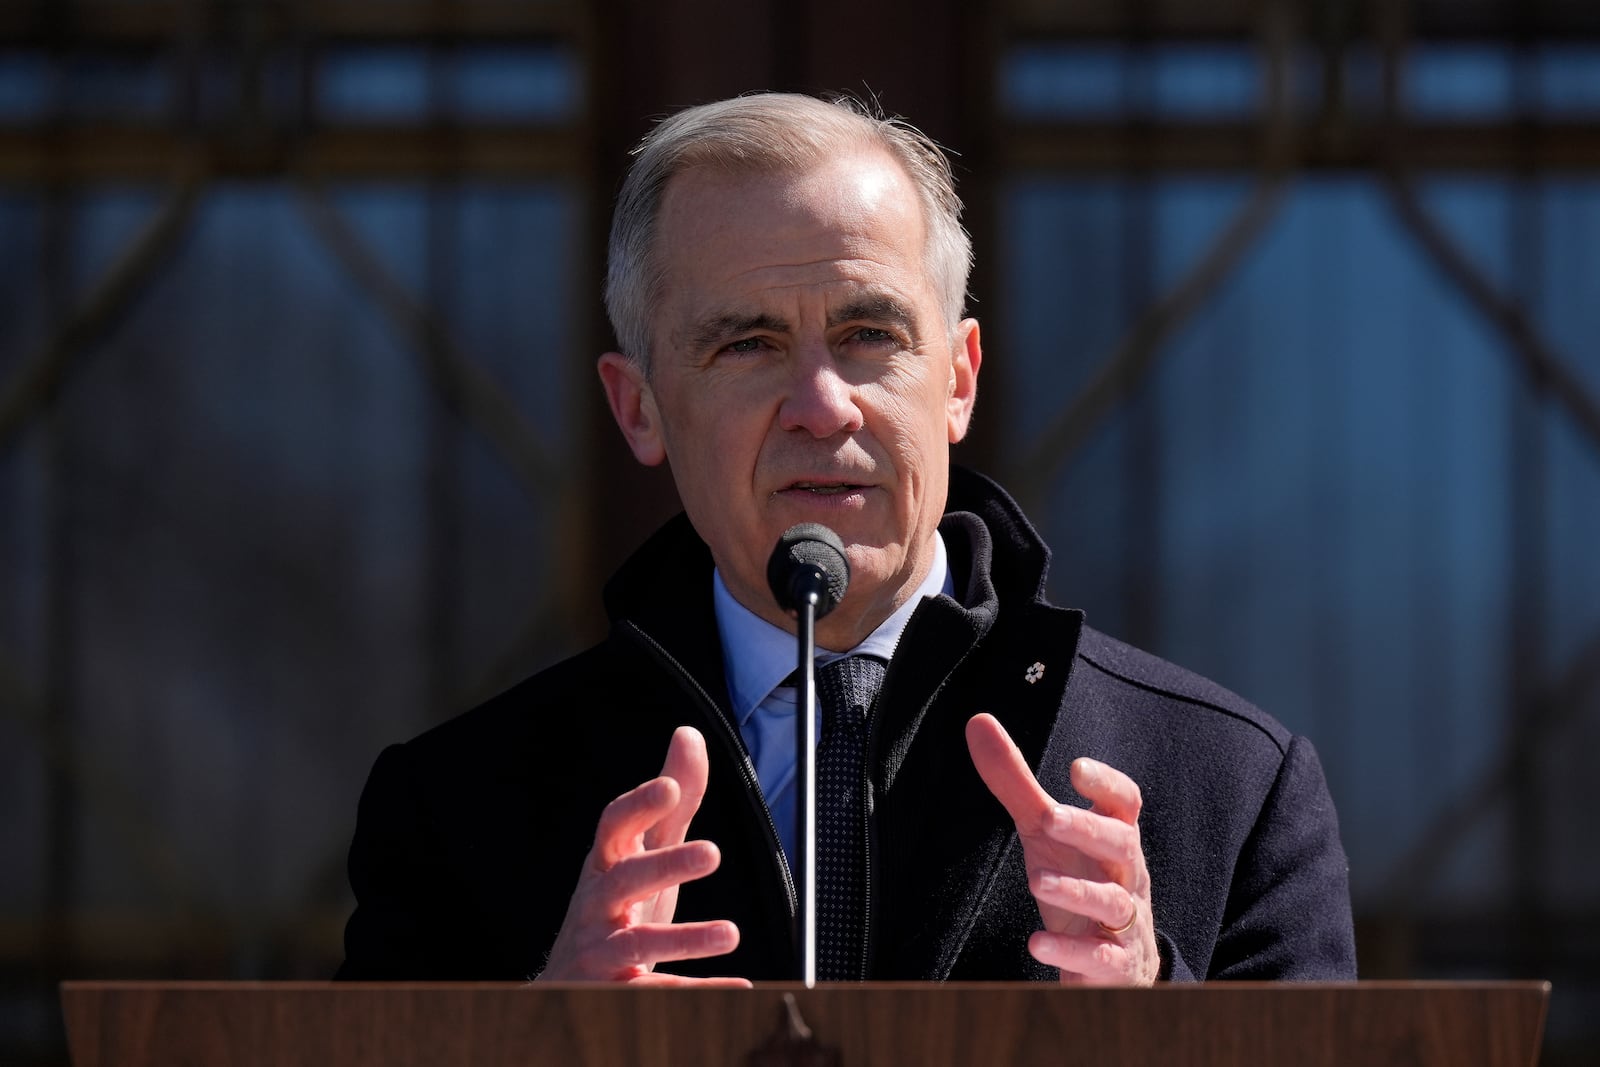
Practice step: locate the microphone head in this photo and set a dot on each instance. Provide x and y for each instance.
(805, 550)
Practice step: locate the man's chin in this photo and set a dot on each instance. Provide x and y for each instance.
(880, 573)
(876, 590)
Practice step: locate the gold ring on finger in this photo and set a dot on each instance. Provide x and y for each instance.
(1124, 928)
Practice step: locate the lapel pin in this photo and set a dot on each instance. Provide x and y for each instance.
(1034, 673)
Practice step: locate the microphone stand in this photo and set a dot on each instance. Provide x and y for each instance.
(808, 574)
(805, 775)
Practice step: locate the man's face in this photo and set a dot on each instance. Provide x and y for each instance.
(803, 371)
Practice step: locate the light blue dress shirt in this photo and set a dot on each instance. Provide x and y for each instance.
(757, 656)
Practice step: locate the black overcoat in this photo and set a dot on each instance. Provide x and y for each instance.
(470, 837)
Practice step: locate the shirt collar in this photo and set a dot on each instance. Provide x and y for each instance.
(757, 655)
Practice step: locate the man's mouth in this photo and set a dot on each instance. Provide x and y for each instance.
(826, 488)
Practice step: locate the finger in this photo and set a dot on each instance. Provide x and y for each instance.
(1105, 902)
(635, 877)
(678, 981)
(647, 944)
(625, 820)
(1100, 837)
(1088, 957)
(1112, 792)
(1005, 772)
(687, 765)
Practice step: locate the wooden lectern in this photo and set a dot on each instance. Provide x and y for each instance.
(318, 1024)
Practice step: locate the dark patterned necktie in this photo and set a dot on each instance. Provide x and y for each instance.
(846, 689)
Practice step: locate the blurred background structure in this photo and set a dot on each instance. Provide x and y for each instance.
(1290, 310)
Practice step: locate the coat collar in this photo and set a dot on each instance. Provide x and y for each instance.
(673, 567)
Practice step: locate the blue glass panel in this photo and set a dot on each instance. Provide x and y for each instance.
(517, 309)
(1336, 502)
(248, 480)
(517, 297)
(503, 287)
(1048, 81)
(1460, 81)
(24, 86)
(1201, 81)
(1172, 81)
(1066, 305)
(517, 83)
(1569, 80)
(375, 84)
(93, 85)
(1570, 317)
(1063, 282)
(105, 224)
(119, 85)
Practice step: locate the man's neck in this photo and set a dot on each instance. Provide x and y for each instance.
(751, 639)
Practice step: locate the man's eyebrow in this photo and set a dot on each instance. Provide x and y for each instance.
(885, 309)
(716, 328)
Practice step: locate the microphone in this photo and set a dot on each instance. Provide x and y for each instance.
(808, 574)
(808, 564)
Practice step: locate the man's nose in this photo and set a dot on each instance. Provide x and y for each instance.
(819, 399)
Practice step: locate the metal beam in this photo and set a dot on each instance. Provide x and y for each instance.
(119, 23)
(1237, 20)
(155, 21)
(1124, 145)
(89, 153)
(83, 154)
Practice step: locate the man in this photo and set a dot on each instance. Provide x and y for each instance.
(1035, 800)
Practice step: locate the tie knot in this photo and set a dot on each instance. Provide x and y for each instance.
(852, 682)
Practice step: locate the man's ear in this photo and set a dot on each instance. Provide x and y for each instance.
(633, 405)
(966, 356)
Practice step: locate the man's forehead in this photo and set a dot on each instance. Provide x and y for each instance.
(865, 172)
(835, 241)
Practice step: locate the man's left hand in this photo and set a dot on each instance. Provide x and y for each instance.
(1085, 868)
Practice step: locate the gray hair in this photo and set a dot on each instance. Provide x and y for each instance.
(766, 132)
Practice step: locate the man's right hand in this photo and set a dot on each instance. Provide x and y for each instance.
(619, 922)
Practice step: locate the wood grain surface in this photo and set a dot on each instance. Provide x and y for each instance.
(301, 1024)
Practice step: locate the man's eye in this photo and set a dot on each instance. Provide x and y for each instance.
(748, 344)
(873, 336)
